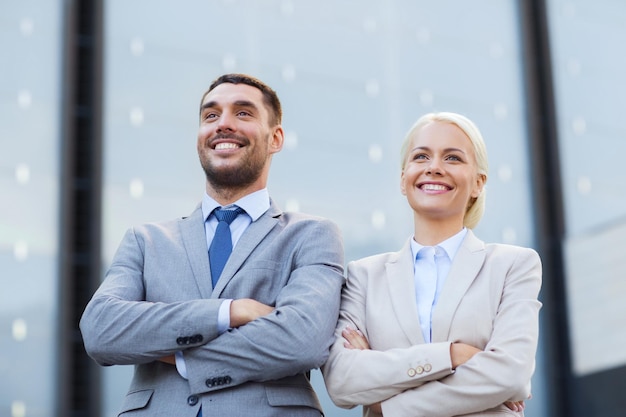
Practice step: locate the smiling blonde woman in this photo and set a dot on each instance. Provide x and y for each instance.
(448, 325)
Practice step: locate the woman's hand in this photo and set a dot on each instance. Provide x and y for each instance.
(354, 339)
(459, 352)
(515, 405)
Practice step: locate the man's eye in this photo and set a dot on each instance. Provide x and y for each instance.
(243, 113)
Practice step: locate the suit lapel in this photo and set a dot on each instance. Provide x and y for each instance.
(250, 239)
(464, 269)
(399, 274)
(194, 239)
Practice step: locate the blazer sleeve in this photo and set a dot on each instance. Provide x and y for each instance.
(503, 370)
(362, 377)
(122, 326)
(296, 336)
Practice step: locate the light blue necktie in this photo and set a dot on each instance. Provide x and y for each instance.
(222, 244)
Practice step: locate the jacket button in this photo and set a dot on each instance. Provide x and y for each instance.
(210, 382)
(192, 400)
(411, 372)
(428, 367)
(180, 341)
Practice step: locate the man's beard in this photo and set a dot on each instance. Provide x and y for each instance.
(240, 176)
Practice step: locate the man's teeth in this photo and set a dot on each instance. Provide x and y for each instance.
(434, 187)
(226, 145)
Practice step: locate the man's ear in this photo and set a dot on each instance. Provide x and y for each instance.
(277, 140)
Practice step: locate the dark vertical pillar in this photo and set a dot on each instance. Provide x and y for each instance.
(548, 202)
(78, 377)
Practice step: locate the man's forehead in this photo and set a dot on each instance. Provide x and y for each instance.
(230, 93)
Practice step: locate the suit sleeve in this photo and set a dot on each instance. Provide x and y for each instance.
(120, 327)
(355, 377)
(503, 370)
(294, 338)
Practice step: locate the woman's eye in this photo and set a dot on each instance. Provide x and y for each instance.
(453, 158)
(420, 156)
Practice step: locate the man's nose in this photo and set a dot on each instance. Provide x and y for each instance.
(226, 122)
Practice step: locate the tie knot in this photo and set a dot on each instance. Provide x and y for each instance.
(227, 215)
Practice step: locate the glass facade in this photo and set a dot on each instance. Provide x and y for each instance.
(589, 70)
(30, 108)
(353, 76)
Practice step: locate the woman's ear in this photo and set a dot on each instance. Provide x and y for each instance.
(402, 188)
(480, 184)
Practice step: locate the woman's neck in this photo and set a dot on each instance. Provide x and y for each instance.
(431, 232)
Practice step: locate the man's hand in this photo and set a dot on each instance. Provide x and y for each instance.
(169, 359)
(241, 312)
(245, 310)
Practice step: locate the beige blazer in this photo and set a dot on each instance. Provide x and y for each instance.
(489, 300)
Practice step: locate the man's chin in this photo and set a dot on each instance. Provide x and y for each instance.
(230, 179)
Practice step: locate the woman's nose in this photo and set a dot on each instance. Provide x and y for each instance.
(434, 167)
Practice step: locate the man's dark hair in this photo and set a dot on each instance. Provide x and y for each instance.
(269, 96)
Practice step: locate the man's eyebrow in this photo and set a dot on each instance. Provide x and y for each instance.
(238, 103)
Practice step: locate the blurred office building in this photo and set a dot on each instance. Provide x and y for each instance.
(98, 119)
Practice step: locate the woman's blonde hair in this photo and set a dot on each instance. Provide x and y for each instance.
(476, 206)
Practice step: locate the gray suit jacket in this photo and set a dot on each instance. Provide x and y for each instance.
(157, 299)
(489, 300)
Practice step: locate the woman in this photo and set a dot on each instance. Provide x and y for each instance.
(448, 325)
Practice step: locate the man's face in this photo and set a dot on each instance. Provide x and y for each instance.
(235, 139)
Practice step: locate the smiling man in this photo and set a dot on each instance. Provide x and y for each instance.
(209, 331)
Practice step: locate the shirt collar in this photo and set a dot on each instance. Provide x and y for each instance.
(451, 245)
(255, 204)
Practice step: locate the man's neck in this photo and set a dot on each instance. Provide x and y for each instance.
(226, 196)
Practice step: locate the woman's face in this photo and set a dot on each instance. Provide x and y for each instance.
(440, 175)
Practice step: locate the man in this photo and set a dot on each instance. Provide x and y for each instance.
(245, 344)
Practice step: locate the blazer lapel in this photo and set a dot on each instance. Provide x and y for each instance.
(250, 239)
(464, 269)
(194, 239)
(399, 274)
